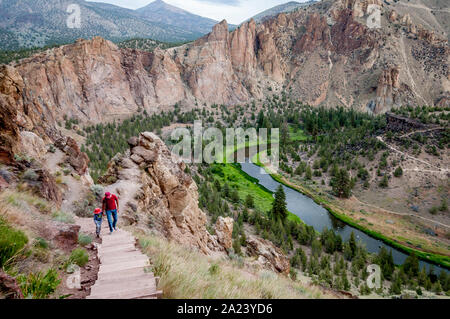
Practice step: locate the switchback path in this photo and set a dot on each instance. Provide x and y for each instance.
(123, 269)
(436, 169)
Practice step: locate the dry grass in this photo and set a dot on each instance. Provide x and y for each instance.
(186, 273)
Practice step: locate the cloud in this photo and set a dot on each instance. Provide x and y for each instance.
(233, 3)
(234, 11)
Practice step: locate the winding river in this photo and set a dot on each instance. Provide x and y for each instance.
(318, 217)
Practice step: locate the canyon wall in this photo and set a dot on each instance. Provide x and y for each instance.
(322, 55)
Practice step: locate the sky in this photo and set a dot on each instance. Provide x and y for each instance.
(234, 11)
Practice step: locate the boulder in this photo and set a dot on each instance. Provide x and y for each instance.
(77, 159)
(224, 231)
(268, 254)
(148, 155)
(65, 236)
(32, 145)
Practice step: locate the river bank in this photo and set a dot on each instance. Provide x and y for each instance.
(338, 213)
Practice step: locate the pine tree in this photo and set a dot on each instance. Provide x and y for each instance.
(352, 244)
(341, 184)
(279, 210)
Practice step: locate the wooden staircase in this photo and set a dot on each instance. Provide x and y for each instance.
(123, 270)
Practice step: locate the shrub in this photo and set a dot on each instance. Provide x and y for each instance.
(12, 241)
(398, 172)
(384, 183)
(79, 256)
(41, 243)
(30, 175)
(444, 206)
(214, 269)
(37, 285)
(433, 210)
(97, 190)
(84, 239)
(63, 217)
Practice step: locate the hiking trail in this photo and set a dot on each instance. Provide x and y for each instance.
(123, 269)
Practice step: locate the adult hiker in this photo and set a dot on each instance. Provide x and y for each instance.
(98, 218)
(110, 206)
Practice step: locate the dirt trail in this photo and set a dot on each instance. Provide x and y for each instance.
(400, 214)
(422, 131)
(417, 169)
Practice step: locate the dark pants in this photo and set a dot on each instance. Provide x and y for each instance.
(112, 219)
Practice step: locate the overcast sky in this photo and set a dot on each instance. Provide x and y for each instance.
(234, 11)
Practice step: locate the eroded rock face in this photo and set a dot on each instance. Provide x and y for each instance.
(268, 254)
(388, 85)
(155, 191)
(77, 159)
(324, 55)
(224, 231)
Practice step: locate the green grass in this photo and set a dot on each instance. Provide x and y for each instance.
(297, 134)
(12, 241)
(186, 273)
(247, 185)
(39, 285)
(63, 217)
(79, 256)
(84, 239)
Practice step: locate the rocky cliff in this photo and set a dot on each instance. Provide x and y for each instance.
(323, 55)
(155, 191)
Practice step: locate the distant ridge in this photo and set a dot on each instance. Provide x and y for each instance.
(38, 23)
(286, 7)
(160, 12)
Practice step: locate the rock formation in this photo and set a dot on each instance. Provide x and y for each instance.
(155, 191)
(268, 255)
(324, 55)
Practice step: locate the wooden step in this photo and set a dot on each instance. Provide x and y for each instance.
(130, 277)
(129, 294)
(114, 248)
(121, 259)
(104, 269)
(124, 286)
(121, 273)
(132, 255)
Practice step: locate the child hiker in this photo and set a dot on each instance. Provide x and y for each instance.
(98, 216)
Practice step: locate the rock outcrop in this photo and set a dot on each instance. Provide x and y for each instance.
(77, 159)
(65, 236)
(155, 191)
(268, 254)
(224, 231)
